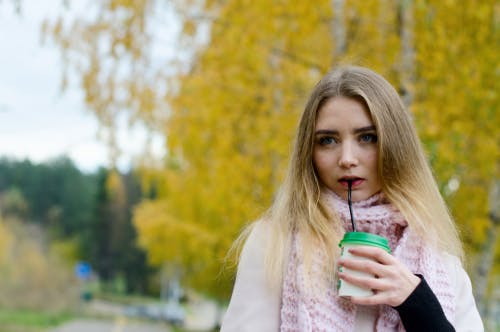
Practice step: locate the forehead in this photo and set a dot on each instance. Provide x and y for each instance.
(339, 112)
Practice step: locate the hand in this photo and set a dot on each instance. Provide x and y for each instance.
(393, 281)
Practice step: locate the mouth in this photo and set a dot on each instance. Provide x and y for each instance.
(344, 181)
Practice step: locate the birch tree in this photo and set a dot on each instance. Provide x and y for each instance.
(231, 110)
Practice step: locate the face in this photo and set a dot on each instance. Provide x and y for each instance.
(345, 148)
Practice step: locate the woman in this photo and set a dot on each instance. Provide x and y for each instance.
(354, 129)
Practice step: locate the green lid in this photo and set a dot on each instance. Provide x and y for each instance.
(367, 239)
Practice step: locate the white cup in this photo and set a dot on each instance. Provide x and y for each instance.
(356, 239)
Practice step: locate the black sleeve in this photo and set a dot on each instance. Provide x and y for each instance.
(421, 311)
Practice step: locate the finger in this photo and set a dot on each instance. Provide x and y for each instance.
(375, 253)
(364, 265)
(378, 298)
(366, 282)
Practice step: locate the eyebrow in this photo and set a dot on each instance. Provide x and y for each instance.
(335, 132)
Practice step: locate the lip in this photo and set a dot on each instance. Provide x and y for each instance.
(356, 182)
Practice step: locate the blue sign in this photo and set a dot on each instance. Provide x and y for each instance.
(83, 270)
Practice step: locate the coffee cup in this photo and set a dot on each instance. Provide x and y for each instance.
(351, 240)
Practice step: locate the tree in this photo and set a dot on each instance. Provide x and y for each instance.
(109, 241)
(12, 202)
(57, 194)
(457, 103)
(33, 275)
(231, 113)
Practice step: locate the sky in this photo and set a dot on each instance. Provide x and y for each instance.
(37, 120)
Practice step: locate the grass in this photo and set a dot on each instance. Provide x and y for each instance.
(30, 320)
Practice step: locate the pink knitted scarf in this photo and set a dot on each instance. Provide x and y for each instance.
(305, 310)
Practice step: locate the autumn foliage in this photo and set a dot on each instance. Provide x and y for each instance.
(227, 104)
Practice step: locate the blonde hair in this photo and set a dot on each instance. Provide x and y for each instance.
(406, 177)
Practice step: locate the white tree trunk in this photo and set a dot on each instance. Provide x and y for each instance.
(487, 255)
(338, 28)
(407, 72)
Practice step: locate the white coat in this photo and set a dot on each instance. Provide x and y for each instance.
(255, 306)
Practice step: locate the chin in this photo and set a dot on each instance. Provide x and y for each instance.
(360, 196)
(365, 196)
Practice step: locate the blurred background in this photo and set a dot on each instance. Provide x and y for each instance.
(138, 138)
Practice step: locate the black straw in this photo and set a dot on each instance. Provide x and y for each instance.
(349, 201)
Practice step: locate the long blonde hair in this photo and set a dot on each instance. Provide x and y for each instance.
(406, 177)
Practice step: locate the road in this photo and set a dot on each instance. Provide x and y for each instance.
(120, 324)
(111, 319)
(201, 315)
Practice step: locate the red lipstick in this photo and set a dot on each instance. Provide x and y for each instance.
(353, 181)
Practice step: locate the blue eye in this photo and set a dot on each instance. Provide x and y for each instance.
(368, 138)
(327, 140)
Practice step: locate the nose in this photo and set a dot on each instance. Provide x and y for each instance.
(348, 156)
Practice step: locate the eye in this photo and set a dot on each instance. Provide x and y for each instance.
(326, 140)
(368, 138)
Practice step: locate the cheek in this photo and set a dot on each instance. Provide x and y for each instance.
(324, 164)
(317, 161)
(373, 160)
(372, 163)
